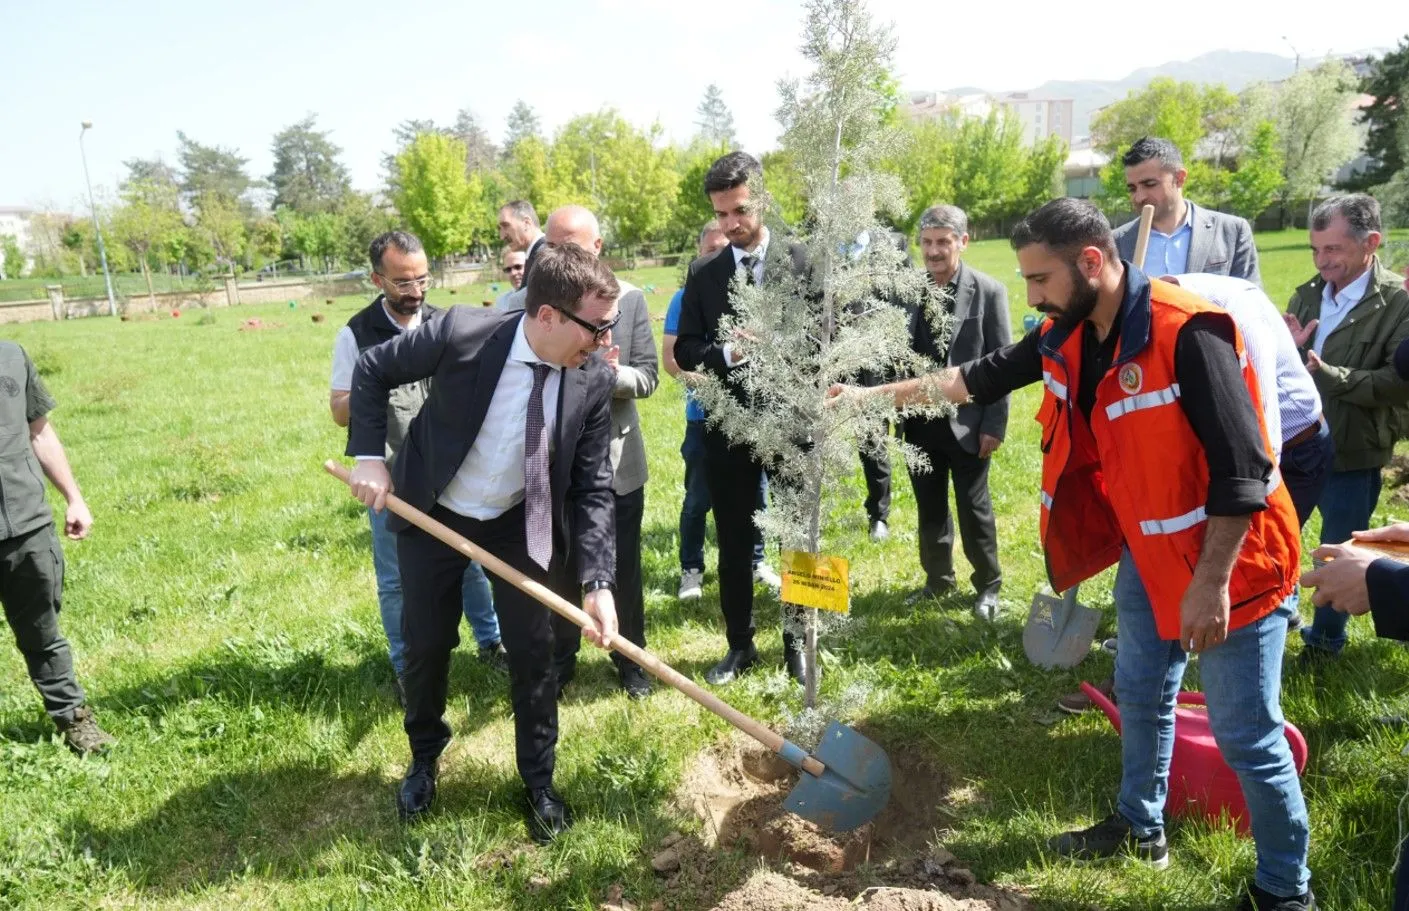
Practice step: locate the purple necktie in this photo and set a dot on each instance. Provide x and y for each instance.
(538, 498)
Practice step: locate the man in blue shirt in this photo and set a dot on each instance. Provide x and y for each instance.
(696, 504)
(1184, 237)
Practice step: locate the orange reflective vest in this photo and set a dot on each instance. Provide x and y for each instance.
(1135, 474)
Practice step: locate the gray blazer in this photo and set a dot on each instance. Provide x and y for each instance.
(981, 326)
(637, 376)
(1221, 244)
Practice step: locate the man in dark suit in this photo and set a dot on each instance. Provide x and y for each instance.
(1184, 237)
(478, 458)
(960, 446)
(518, 229)
(732, 470)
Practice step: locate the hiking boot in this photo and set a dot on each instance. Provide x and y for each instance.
(1109, 837)
(1258, 899)
(691, 585)
(82, 734)
(1078, 702)
(496, 656)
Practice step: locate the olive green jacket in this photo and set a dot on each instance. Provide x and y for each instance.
(1360, 391)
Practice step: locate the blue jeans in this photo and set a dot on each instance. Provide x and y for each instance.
(695, 509)
(1306, 469)
(475, 593)
(1346, 506)
(1242, 679)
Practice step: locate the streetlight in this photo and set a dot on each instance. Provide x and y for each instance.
(93, 208)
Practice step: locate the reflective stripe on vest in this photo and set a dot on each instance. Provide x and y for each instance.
(1166, 396)
(1046, 500)
(1059, 389)
(1175, 525)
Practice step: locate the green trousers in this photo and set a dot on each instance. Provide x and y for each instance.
(32, 589)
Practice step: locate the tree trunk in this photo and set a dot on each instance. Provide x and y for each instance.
(147, 274)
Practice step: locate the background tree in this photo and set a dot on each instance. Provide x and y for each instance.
(523, 124)
(307, 175)
(150, 213)
(317, 236)
(220, 233)
(211, 172)
(528, 173)
(1313, 113)
(403, 134)
(434, 196)
(691, 208)
(480, 152)
(1383, 118)
(924, 165)
(602, 161)
(362, 220)
(715, 121)
(11, 256)
(1258, 180)
(1394, 194)
(786, 185)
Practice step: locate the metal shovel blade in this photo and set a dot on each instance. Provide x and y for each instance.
(1059, 631)
(852, 790)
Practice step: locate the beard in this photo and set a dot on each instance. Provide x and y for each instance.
(405, 306)
(1082, 303)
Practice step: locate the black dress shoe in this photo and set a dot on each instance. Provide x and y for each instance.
(635, 682)
(417, 791)
(548, 816)
(795, 658)
(734, 663)
(496, 656)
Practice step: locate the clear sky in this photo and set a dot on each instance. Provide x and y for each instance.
(235, 73)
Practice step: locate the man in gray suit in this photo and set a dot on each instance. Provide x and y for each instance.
(632, 358)
(1184, 237)
(961, 445)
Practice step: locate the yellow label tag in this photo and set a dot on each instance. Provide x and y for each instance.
(816, 580)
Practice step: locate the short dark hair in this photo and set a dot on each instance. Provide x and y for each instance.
(563, 275)
(730, 171)
(1361, 213)
(1065, 226)
(1152, 147)
(400, 241)
(521, 209)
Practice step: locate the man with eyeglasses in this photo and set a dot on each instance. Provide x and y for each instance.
(399, 270)
(633, 362)
(511, 450)
(513, 262)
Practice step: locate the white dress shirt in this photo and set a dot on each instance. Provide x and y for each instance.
(739, 253)
(490, 481)
(1334, 307)
(1290, 402)
(345, 351)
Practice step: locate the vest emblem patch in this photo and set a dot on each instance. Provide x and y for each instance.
(1131, 378)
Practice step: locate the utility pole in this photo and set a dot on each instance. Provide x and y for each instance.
(93, 209)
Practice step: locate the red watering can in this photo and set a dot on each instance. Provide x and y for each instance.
(1200, 782)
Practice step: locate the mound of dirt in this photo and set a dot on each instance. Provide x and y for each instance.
(737, 789)
(255, 324)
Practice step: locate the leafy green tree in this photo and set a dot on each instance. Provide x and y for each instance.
(434, 196)
(924, 164)
(211, 172)
(1254, 186)
(1383, 118)
(715, 121)
(318, 236)
(786, 184)
(528, 173)
(1394, 194)
(692, 208)
(523, 124)
(403, 134)
(602, 161)
(362, 220)
(145, 221)
(220, 229)
(14, 258)
(480, 151)
(307, 175)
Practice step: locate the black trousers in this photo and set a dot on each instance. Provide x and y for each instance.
(630, 600)
(32, 588)
(430, 623)
(936, 529)
(733, 475)
(876, 469)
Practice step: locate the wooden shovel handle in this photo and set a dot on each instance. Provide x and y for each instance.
(1393, 549)
(1142, 239)
(551, 600)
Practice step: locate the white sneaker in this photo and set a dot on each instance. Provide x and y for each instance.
(765, 574)
(691, 584)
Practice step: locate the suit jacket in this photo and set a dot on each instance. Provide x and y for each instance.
(636, 378)
(1220, 244)
(981, 325)
(462, 351)
(706, 300)
(529, 254)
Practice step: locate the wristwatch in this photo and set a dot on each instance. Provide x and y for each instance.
(595, 584)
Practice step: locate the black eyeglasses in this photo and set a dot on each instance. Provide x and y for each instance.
(598, 332)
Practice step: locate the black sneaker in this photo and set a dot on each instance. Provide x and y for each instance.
(1258, 899)
(1109, 837)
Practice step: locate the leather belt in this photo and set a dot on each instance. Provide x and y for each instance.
(1309, 433)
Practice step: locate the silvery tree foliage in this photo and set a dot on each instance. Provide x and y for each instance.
(831, 308)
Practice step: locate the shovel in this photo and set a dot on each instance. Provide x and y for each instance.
(843, 785)
(1059, 631)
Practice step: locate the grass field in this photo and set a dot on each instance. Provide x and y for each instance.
(224, 620)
